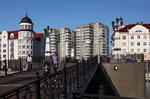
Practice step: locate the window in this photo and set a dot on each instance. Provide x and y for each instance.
(27, 41)
(25, 26)
(4, 45)
(138, 31)
(124, 37)
(144, 43)
(132, 43)
(27, 46)
(138, 50)
(145, 37)
(19, 47)
(138, 36)
(4, 51)
(132, 50)
(138, 43)
(4, 56)
(124, 50)
(123, 43)
(11, 35)
(23, 46)
(132, 37)
(145, 50)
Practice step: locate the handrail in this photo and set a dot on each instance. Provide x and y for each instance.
(46, 86)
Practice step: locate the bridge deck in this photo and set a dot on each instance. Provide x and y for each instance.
(13, 81)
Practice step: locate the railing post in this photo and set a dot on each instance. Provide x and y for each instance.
(20, 64)
(65, 81)
(77, 75)
(84, 69)
(37, 87)
(5, 67)
(17, 95)
(101, 92)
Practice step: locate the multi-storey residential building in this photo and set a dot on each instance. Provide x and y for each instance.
(92, 39)
(65, 43)
(60, 41)
(52, 38)
(132, 39)
(84, 41)
(18, 44)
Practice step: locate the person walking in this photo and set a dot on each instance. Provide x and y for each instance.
(55, 62)
(29, 62)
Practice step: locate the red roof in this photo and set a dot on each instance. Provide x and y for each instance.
(126, 28)
(38, 35)
(15, 34)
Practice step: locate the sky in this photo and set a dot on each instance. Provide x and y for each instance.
(70, 13)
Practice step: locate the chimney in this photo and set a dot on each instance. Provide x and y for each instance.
(142, 23)
(137, 22)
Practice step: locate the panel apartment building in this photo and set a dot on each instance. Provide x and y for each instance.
(61, 42)
(91, 39)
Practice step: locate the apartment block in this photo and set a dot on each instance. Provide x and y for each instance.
(92, 39)
(60, 41)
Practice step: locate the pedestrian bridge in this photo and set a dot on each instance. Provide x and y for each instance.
(84, 80)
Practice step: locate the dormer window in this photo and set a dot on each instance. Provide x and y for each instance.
(138, 31)
(12, 35)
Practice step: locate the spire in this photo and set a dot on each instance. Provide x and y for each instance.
(26, 13)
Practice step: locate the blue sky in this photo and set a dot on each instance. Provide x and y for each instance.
(70, 13)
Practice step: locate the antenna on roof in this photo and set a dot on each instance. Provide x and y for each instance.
(26, 13)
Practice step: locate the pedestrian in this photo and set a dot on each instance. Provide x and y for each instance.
(29, 62)
(45, 69)
(55, 62)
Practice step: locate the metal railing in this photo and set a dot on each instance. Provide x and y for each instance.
(59, 85)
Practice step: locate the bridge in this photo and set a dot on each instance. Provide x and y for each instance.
(84, 80)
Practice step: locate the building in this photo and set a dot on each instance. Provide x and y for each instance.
(132, 39)
(92, 39)
(18, 44)
(60, 41)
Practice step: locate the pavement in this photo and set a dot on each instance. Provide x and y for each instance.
(17, 80)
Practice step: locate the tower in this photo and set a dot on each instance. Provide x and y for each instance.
(25, 37)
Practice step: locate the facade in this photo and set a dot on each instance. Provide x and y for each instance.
(65, 43)
(60, 41)
(132, 39)
(51, 45)
(18, 44)
(92, 39)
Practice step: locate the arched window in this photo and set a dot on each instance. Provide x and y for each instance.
(26, 27)
(12, 35)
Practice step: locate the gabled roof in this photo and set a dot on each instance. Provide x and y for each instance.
(126, 28)
(15, 34)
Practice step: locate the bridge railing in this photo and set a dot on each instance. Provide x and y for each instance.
(59, 85)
